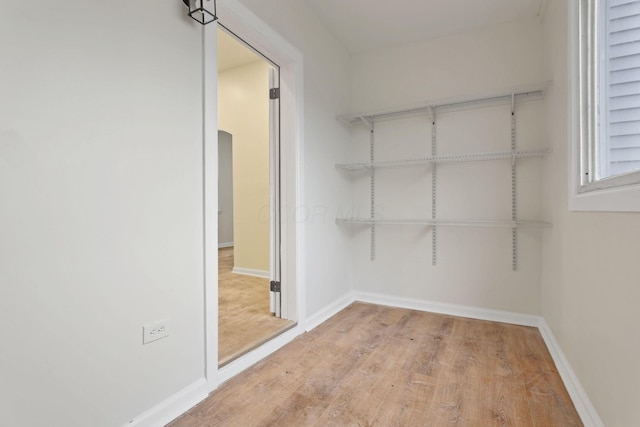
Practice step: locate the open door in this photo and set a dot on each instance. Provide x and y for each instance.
(252, 305)
(281, 230)
(274, 185)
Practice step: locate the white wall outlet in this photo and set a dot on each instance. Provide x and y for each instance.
(155, 331)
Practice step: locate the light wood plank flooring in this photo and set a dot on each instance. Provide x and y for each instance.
(379, 366)
(244, 320)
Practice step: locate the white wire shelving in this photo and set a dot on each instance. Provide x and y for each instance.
(432, 109)
(446, 222)
(451, 159)
(504, 97)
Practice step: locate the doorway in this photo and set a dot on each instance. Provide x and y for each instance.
(248, 218)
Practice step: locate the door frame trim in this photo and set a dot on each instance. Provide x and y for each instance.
(246, 25)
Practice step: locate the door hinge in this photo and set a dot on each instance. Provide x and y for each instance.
(275, 286)
(274, 93)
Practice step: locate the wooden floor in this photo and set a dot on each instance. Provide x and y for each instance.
(244, 320)
(379, 366)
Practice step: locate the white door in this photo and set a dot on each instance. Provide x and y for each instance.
(274, 190)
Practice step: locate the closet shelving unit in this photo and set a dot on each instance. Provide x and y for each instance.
(429, 161)
(509, 97)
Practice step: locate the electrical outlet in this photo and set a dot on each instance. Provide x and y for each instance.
(155, 331)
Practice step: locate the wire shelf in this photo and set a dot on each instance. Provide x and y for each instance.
(386, 164)
(370, 221)
(446, 222)
(458, 158)
(520, 93)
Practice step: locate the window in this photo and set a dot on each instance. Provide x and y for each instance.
(609, 95)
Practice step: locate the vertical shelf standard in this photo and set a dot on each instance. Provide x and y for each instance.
(434, 177)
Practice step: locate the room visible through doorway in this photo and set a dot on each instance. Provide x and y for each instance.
(248, 213)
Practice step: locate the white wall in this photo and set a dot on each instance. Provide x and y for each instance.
(590, 266)
(327, 270)
(101, 218)
(474, 265)
(101, 182)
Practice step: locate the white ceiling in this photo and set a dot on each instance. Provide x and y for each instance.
(364, 25)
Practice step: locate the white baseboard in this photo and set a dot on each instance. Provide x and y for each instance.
(172, 407)
(450, 309)
(225, 245)
(581, 401)
(251, 272)
(329, 311)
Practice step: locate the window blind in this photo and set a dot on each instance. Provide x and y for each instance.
(620, 152)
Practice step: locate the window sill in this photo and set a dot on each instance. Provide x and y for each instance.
(618, 199)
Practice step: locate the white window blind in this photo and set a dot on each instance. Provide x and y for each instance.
(619, 88)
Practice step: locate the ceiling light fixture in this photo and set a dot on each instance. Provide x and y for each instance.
(201, 13)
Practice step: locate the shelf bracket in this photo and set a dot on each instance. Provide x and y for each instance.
(368, 123)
